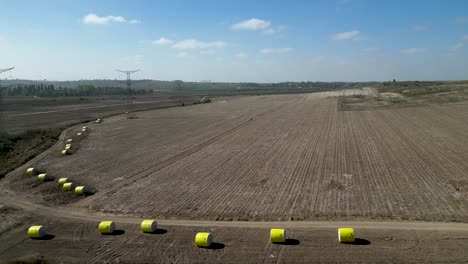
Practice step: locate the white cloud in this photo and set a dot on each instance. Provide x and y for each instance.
(418, 28)
(92, 18)
(182, 54)
(465, 37)
(347, 35)
(461, 20)
(195, 44)
(273, 50)
(162, 41)
(360, 38)
(255, 24)
(241, 55)
(251, 24)
(456, 47)
(413, 50)
(273, 31)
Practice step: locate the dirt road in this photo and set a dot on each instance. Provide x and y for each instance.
(74, 239)
(16, 200)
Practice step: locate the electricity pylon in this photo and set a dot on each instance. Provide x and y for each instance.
(130, 115)
(5, 70)
(1, 90)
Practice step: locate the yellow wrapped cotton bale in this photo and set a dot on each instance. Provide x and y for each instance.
(346, 235)
(106, 227)
(42, 177)
(69, 140)
(37, 232)
(84, 127)
(277, 235)
(149, 226)
(31, 171)
(67, 146)
(68, 186)
(83, 130)
(79, 134)
(98, 120)
(80, 190)
(203, 239)
(62, 181)
(65, 152)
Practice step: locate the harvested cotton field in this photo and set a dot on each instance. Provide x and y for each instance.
(281, 157)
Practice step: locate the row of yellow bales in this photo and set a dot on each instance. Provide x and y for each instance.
(41, 231)
(202, 239)
(64, 182)
(68, 145)
(66, 185)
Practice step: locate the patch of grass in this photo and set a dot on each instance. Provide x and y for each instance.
(17, 149)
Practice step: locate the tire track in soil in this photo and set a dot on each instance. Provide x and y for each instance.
(172, 160)
(254, 160)
(415, 155)
(179, 177)
(210, 176)
(284, 166)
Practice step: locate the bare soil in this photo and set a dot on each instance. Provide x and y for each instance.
(287, 157)
(243, 165)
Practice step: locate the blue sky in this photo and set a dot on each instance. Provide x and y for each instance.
(241, 41)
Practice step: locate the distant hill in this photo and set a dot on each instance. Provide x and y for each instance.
(179, 86)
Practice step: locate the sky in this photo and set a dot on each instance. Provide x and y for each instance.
(235, 41)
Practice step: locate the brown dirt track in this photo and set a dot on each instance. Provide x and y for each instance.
(268, 158)
(75, 239)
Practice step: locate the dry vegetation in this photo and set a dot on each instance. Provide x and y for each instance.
(408, 94)
(289, 157)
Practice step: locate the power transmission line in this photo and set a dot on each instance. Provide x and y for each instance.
(1, 90)
(130, 115)
(5, 70)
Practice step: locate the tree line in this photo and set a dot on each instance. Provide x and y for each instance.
(43, 90)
